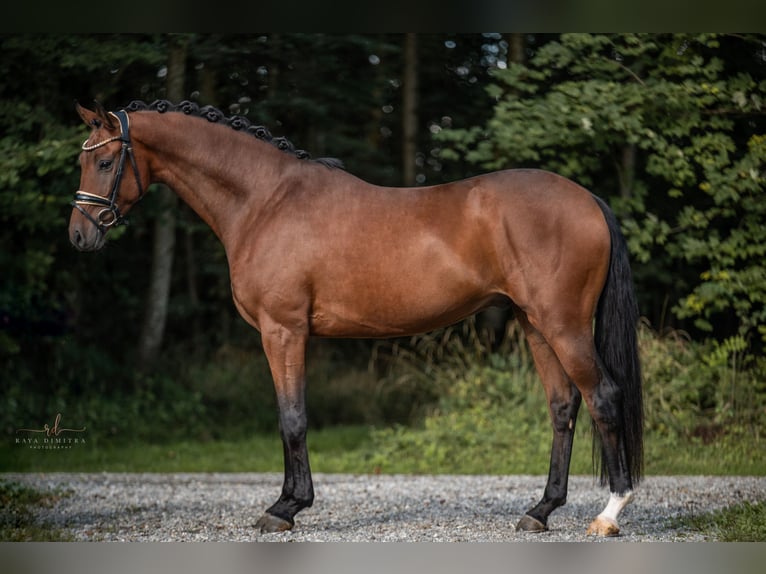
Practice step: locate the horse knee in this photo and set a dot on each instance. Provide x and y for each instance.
(563, 412)
(602, 396)
(605, 404)
(293, 424)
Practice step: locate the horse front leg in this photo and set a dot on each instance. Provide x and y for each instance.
(286, 352)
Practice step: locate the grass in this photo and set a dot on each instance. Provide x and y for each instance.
(337, 449)
(17, 524)
(361, 449)
(742, 523)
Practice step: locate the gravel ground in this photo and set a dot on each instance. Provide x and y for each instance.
(224, 507)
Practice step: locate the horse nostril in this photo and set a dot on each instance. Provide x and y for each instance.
(77, 238)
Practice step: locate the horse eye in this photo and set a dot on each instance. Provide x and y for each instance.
(104, 164)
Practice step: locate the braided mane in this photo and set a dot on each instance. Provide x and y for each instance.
(237, 123)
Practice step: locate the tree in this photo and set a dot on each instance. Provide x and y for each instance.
(410, 108)
(57, 307)
(156, 306)
(671, 128)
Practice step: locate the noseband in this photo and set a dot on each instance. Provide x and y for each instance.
(110, 215)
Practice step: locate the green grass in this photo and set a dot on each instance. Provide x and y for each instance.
(733, 456)
(17, 523)
(331, 450)
(741, 523)
(359, 449)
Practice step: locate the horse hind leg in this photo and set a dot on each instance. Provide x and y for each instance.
(605, 524)
(606, 409)
(603, 398)
(563, 404)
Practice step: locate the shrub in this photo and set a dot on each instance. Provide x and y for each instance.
(488, 412)
(487, 408)
(701, 390)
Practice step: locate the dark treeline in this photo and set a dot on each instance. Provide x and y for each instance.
(670, 129)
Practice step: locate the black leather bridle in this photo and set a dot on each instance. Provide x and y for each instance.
(110, 215)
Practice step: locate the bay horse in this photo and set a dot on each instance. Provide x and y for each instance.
(315, 252)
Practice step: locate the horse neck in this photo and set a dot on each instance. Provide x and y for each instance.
(223, 175)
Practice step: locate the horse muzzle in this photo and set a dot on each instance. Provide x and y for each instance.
(86, 237)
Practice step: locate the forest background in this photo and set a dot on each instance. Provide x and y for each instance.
(141, 345)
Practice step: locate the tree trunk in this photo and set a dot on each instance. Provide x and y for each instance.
(409, 109)
(626, 170)
(516, 48)
(156, 306)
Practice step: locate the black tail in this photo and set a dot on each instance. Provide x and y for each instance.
(617, 345)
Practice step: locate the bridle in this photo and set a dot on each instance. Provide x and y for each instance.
(110, 215)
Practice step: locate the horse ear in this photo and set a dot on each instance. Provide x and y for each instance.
(104, 116)
(86, 115)
(95, 119)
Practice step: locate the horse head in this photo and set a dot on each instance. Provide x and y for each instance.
(104, 197)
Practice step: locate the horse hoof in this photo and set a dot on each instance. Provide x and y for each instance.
(270, 523)
(529, 524)
(603, 526)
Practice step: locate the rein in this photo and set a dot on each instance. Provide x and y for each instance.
(110, 215)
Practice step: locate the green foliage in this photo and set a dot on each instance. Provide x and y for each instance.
(705, 412)
(33, 180)
(732, 243)
(479, 409)
(40, 137)
(222, 397)
(702, 392)
(489, 410)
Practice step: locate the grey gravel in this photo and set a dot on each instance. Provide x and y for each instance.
(444, 508)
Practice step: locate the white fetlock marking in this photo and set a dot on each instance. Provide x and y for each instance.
(615, 505)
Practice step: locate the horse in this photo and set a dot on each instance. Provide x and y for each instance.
(314, 251)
